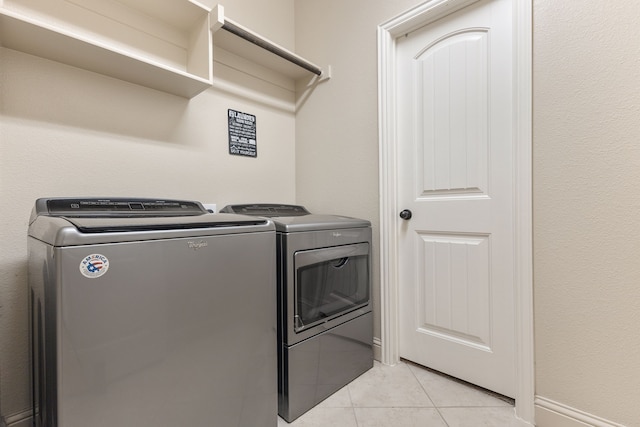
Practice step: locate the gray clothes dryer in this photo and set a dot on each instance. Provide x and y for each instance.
(151, 313)
(325, 319)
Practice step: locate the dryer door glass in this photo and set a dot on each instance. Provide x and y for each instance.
(330, 282)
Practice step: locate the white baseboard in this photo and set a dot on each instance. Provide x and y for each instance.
(377, 349)
(550, 413)
(21, 419)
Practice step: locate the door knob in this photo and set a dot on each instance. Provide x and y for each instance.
(406, 214)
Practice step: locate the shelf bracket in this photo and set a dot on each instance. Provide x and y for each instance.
(219, 21)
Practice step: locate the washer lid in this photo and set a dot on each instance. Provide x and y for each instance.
(64, 231)
(71, 222)
(128, 224)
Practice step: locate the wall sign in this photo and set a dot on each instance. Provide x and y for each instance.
(242, 134)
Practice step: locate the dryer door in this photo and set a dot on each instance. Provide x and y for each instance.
(329, 283)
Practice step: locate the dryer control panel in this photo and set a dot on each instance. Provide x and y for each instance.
(266, 210)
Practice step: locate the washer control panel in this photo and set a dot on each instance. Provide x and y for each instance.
(88, 207)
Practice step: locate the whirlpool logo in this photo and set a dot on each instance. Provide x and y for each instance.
(197, 245)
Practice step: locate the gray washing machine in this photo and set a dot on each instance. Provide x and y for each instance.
(325, 319)
(151, 313)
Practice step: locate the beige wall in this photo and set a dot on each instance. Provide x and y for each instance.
(587, 205)
(66, 131)
(337, 126)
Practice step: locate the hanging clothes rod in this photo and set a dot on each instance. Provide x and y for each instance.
(273, 48)
(220, 22)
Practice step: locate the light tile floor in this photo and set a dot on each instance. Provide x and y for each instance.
(408, 395)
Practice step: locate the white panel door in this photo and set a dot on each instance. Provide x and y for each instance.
(455, 142)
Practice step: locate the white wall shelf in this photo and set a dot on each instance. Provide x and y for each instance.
(165, 45)
(162, 45)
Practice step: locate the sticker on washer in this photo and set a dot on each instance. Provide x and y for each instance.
(94, 265)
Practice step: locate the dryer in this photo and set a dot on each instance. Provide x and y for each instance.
(325, 319)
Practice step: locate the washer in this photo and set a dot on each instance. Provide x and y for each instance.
(325, 319)
(151, 313)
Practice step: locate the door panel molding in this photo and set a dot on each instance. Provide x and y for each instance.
(463, 169)
(388, 32)
(454, 259)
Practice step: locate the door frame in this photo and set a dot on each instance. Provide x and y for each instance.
(388, 32)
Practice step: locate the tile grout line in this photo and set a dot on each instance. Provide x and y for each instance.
(353, 408)
(428, 396)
